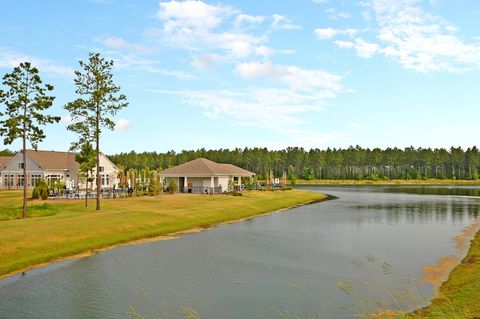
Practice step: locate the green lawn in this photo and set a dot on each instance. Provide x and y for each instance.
(74, 229)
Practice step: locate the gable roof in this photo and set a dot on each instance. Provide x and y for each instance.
(54, 160)
(202, 167)
(4, 160)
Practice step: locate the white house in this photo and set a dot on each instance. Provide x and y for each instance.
(51, 166)
(204, 176)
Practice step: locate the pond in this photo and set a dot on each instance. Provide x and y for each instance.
(333, 259)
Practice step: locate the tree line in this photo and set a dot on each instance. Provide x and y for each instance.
(356, 163)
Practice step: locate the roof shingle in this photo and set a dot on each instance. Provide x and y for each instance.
(202, 167)
(54, 160)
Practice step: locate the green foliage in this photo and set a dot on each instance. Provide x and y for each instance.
(6, 152)
(87, 159)
(292, 175)
(329, 164)
(231, 186)
(36, 193)
(44, 193)
(154, 185)
(24, 102)
(172, 187)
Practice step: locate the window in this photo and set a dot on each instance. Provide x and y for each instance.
(20, 180)
(34, 178)
(53, 178)
(7, 180)
(21, 165)
(105, 180)
(101, 169)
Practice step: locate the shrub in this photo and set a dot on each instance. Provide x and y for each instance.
(36, 193)
(172, 187)
(44, 193)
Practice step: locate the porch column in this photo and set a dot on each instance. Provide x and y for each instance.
(212, 184)
(185, 186)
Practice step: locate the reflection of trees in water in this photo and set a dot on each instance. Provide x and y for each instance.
(422, 212)
(440, 190)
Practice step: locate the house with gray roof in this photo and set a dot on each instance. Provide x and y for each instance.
(204, 176)
(51, 166)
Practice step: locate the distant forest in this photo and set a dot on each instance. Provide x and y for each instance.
(351, 163)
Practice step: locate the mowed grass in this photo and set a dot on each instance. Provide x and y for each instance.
(74, 229)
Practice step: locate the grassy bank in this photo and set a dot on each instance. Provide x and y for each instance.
(459, 296)
(388, 182)
(74, 229)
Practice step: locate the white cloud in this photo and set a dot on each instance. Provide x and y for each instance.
(123, 125)
(335, 15)
(10, 59)
(293, 91)
(215, 28)
(242, 19)
(191, 14)
(133, 62)
(195, 25)
(364, 49)
(344, 44)
(330, 33)
(281, 22)
(418, 40)
(119, 43)
(296, 78)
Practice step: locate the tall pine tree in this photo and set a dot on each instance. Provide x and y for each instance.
(25, 100)
(99, 101)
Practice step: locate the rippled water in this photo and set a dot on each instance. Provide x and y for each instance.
(335, 259)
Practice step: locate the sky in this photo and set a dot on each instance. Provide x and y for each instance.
(270, 73)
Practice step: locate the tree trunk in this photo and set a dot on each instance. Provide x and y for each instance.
(86, 191)
(24, 211)
(97, 137)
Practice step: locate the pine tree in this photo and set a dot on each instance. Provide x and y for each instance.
(25, 100)
(100, 100)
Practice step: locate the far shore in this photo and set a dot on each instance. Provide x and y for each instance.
(303, 182)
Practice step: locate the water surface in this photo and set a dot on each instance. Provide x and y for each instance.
(336, 259)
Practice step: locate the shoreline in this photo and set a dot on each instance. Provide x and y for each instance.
(410, 182)
(168, 236)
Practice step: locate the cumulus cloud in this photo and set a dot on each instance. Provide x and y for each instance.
(123, 125)
(294, 77)
(197, 26)
(416, 39)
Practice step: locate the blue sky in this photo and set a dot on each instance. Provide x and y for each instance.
(278, 73)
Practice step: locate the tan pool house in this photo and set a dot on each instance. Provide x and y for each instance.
(202, 176)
